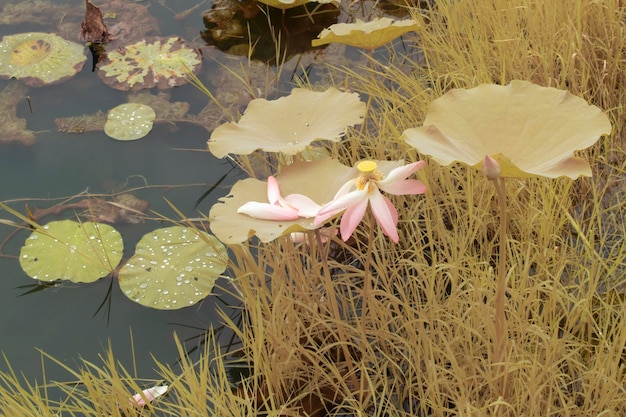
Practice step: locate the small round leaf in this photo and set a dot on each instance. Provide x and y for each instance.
(129, 121)
(173, 267)
(73, 251)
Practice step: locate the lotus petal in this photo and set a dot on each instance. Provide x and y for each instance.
(129, 121)
(319, 180)
(73, 251)
(39, 59)
(527, 129)
(366, 35)
(173, 267)
(289, 124)
(155, 62)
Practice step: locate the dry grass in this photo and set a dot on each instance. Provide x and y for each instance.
(424, 344)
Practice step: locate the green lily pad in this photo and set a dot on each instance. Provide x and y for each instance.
(129, 121)
(40, 58)
(73, 251)
(173, 267)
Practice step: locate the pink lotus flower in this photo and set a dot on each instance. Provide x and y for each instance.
(149, 394)
(290, 207)
(354, 196)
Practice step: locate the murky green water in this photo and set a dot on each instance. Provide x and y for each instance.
(60, 320)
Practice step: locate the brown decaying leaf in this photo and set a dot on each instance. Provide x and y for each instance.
(92, 27)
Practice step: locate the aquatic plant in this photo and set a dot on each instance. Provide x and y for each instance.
(529, 130)
(367, 35)
(73, 251)
(521, 129)
(289, 124)
(230, 224)
(173, 267)
(130, 121)
(356, 194)
(291, 207)
(153, 62)
(39, 59)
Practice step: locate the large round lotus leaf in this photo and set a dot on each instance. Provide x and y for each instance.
(77, 252)
(173, 267)
(40, 58)
(156, 62)
(129, 121)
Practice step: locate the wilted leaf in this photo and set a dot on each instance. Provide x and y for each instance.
(13, 127)
(154, 62)
(366, 35)
(92, 27)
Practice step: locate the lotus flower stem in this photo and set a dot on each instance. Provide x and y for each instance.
(501, 334)
(367, 290)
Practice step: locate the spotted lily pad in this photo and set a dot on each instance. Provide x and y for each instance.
(129, 121)
(156, 62)
(73, 251)
(40, 58)
(173, 267)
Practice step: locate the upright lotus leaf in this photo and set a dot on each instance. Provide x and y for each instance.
(73, 251)
(160, 62)
(528, 129)
(288, 4)
(129, 121)
(39, 59)
(366, 35)
(318, 180)
(289, 124)
(173, 267)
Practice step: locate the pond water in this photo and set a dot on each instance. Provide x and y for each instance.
(171, 163)
(62, 320)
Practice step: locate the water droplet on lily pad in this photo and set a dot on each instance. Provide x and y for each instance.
(64, 250)
(166, 290)
(129, 121)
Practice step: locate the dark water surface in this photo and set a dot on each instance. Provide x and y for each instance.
(60, 320)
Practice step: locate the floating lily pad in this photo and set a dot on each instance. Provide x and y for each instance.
(156, 62)
(173, 267)
(40, 58)
(129, 121)
(77, 252)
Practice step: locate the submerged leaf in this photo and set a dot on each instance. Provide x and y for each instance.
(13, 127)
(173, 267)
(129, 121)
(73, 251)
